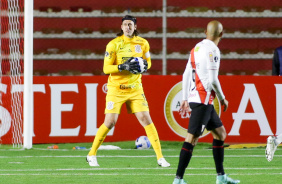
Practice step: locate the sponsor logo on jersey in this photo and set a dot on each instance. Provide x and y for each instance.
(138, 49)
(111, 54)
(215, 59)
(139, 40)
(173, 118)
(122, 86)
(124, 59)
(107, 54)
(210, 57)
(196, 49)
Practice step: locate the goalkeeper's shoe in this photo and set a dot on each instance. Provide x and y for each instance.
(162, 162)
(179, 181)
(224, 179)
(271, 147)
(92, 160)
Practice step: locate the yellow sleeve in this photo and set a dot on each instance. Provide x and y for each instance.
(109, 59)
(147, 55)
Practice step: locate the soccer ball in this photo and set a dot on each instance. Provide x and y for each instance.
(142, 142)
(141, 64)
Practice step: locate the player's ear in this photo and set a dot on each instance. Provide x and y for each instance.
(220, 34)
(135, 26)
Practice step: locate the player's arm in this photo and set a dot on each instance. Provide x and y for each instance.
(213, 67)
(213, 75)
(186, 78)
(110, 57)
(147, 55)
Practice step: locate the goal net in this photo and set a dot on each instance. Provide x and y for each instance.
(11, 70)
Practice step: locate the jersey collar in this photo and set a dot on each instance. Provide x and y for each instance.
(125, 38)
(207, 40)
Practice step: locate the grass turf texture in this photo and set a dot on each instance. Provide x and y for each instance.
(130, 166)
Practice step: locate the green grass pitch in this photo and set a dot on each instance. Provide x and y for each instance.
(130, 166)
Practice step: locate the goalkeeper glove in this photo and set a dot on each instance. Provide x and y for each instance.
(139, 70)
(146, 65)
(129, 66)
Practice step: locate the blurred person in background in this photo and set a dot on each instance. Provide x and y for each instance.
(271, 146)
(200, 84)
(125, 86)
(277, 62)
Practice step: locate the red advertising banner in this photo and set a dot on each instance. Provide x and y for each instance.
(71, 109)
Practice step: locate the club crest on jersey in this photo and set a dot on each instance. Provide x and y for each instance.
(138, 49)
(107, 54)
(110, 105)
(210, 57)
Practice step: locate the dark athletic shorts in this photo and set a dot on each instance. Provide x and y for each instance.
(202, 116)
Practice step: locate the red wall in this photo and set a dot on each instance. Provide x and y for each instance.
(60, 109)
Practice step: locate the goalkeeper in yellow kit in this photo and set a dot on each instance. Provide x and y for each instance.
(124, 86)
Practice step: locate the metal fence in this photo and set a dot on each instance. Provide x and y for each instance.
(70, 36)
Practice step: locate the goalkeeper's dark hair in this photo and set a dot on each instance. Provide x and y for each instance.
(134, 20)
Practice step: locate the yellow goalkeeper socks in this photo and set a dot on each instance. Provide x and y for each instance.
(152, 134)
(99, 138)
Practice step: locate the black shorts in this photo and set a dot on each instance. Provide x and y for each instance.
(202, 116)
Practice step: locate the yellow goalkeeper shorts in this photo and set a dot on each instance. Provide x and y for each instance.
(135, 101)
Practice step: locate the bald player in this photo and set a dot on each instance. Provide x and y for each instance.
(200, 84)
(125, 87)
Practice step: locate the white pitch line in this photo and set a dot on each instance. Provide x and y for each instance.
(129, 156)
(120, 174)
(229, 149)
(102, 169)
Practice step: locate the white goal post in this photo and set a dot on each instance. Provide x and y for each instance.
(28, 73)
(16, 72)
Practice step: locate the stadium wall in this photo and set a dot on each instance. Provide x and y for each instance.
(71, 108)
(70, 37)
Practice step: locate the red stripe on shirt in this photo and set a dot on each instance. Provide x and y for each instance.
(212, 97)
(199, 86)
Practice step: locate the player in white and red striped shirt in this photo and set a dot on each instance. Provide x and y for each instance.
(200, 85)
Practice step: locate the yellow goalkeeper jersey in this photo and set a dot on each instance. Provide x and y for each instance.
(120, 50)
